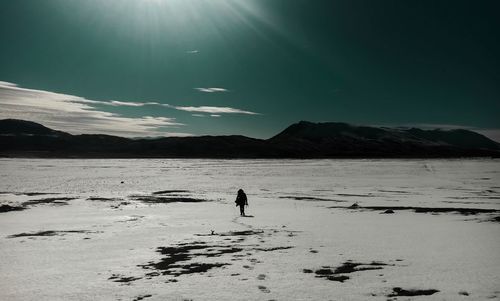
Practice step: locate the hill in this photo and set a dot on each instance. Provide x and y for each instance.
(19, 138)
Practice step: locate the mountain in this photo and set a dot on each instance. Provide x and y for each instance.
(331, 139)
(19, 138)
(23, 127)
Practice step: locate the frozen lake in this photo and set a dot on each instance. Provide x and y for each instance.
(169, 230)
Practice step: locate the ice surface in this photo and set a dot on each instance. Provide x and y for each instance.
(96, 229)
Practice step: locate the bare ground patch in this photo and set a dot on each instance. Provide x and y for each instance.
(50, 233)
(309, 198)
(434, 210)
(197, 257)
(400, 292)
(339, 273)
(175, 257)
(151, 199)
(58, 201)
(170, 191)
(8, 208)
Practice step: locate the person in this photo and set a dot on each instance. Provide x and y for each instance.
(242, 201)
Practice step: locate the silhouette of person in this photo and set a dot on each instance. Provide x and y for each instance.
(242, 201)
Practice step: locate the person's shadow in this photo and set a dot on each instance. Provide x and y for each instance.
(247, 216)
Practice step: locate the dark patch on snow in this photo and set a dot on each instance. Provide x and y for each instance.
(54, 201)
(34, 193)
(117, 206)
(7, 208)
(351, 267)
(195, 268)
(101, 199)
(496, 219)
(189, 257)
(234, 233)
(388, 211)
(353, 206)
(167, 200)
(272, 249)
(170, 265)
(309, 198)
(141, 297)
(340, 278)
(337, 274)
(123, 279)
(170, 191)
(49, 233)
(28, 193)
(264, 289)
(397, 292)
(396, 191)
(59, 201)
(463, 211)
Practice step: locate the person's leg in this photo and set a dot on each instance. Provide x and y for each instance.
(242, 210)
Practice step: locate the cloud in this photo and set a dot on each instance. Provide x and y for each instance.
(116, 103)
(211, 90)
(194, 51)
(198, 115)
(215, 110)
(78, 115)
(493, 134)
(130, 103)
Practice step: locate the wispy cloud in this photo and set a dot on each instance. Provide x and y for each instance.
(79, 115)
(203, 115)
(212, 90)
(493, 134)
(215, 110)
(194, 51)
(131, 104)
(76, 114)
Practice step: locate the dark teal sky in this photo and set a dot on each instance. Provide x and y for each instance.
(364, 62)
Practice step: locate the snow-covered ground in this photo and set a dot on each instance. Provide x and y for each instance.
(169, 230)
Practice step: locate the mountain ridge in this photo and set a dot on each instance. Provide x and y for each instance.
(20, 138)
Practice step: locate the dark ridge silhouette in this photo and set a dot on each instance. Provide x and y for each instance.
(23, 127)
(333, 139)
(19, 138)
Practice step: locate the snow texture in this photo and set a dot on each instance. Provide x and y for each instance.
(169, 230)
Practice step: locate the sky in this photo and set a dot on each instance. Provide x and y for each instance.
(153, 68)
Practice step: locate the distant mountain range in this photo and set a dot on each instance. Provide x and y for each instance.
(19, 138)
